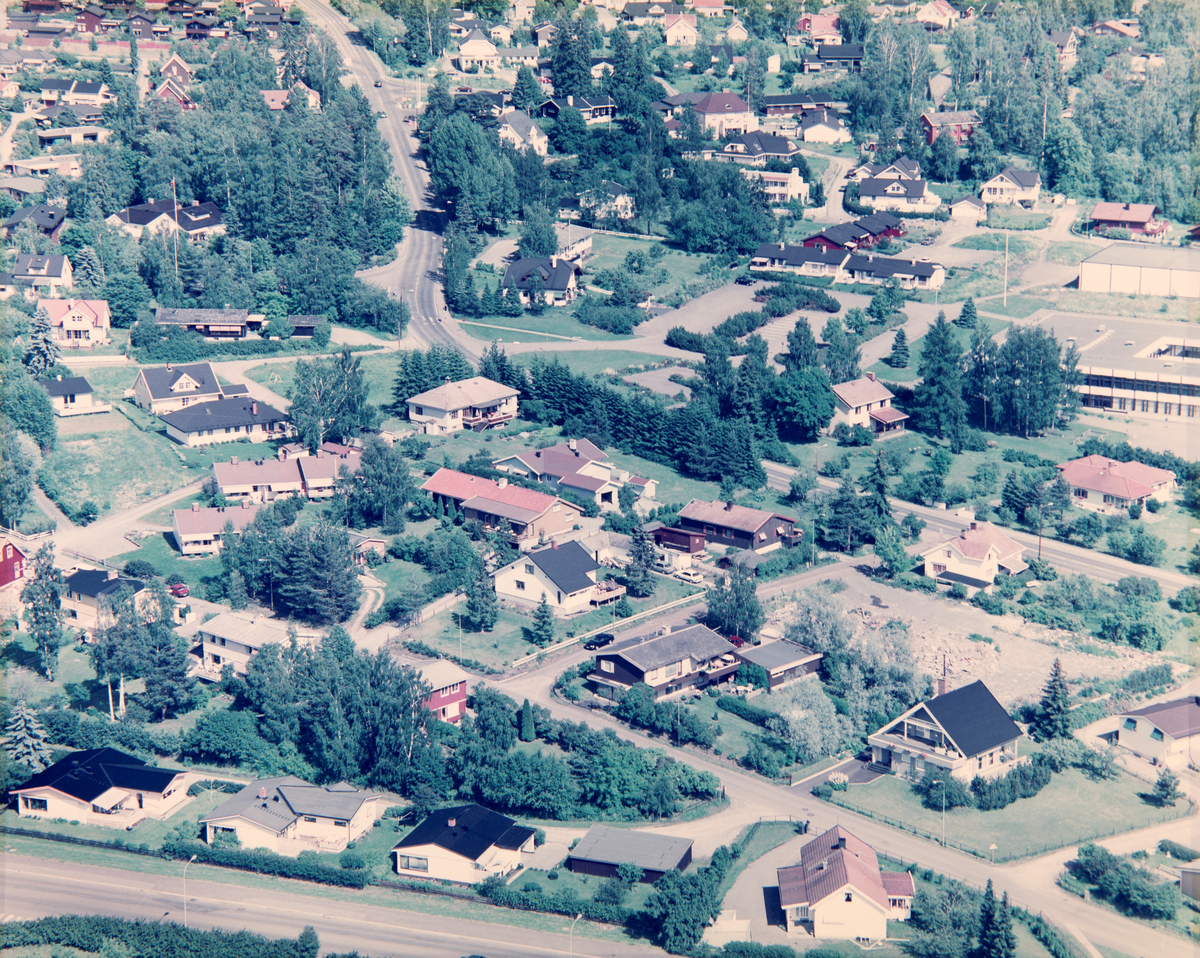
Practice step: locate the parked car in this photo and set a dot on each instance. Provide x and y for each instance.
(378, 83)
(736, 640)
(745, 280)
(689, 575)
(382, 114)
(179, 590)
(599, 641)
(928, 241)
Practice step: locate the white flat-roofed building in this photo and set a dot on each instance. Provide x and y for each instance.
(1141, 270)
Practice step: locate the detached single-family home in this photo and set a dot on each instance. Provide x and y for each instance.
(198, 221)
(46, 220)
(975, 557)
(36, 270)
(959, 124)
(1012, 186)
(175, 93)
(604, 848)
(160, 389)
(476, 51)
(838, 892)
(834, 56)
(464, 844)
(965, 732)
(64, 164)
(102, 786)
(265, 480)
(727, 524)
(820, 29)
(864, 233)
(690, 656)
(476, 403)
(287, 815)
(1166, 733)
(22, 188)
(556, 277)
(78, 322)
(756, 148)
(565, 575)
(823, 126)
(177, 69)
(906, 196)
(937, 15)
(528, 516)
(448, 701)
(867, 402)
(200, 529)
(872, 270)
(1106, 485)
(12, 563)
(574, 241)
(580, 466)
(227, 420)
(968, 209)
(736, 32)
(519, 130)
(1126, 29)
(783, 661)
(210, 323)
(84, 589)
(779, 187)
(901, 168)
(725, 113)
(232, 638)
(72, 396)
(594, 109)
(707, 8)
(1136, 217)
(679, 30)
(608, 199)
(1066, 48)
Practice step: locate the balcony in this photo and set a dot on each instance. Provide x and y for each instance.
(483, 421)
(607, 591)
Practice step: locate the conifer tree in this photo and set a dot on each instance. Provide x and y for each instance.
(527, 92)
(43, 348)
(899, 357)
(1006, 937)
(967, 317)
(639, 577)
(542, 632)
(237, 590)
(988, 915)
(527, 733)
(1054, 710)
(42, 596)
(483, 608)
(26, 743)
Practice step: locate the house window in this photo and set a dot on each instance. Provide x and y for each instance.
(849, 897)
(1130, 724)
(981, 761)
(35, 804)
(529, 568)
(414, 864)
(308, 818)
(938, 568)
(672, 669)
(419, 410)
(948, 553)
(606, 665)
(1157, 735)
(1080, 493)
(342, 824)
(520, 585)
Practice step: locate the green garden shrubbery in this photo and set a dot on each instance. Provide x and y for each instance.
(265, 863)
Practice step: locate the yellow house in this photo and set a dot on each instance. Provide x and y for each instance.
(78, 322)
(1012, 186)
(287, 815)
(84, 590)
(227, 420)
(679, 30)
(1167, 733)
(160, 389)
(565, 575)
(102, 786)
(837, 890)
(464, 844)
(979, 554)
(476, 403)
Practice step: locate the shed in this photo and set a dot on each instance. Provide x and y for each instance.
(783, 661)
(603, 848)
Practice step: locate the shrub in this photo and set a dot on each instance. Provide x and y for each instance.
(823, 791)
(1179, 852)
(839, 781)
(958, 591)
(140, 569)
(743, 709)
(352, 860)
(264, 863)
(933, 792)
(1148, 679)
(991, 604)
(1024, 781)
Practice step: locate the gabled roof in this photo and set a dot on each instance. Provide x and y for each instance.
(719, 104)
(973, 719)
(43, 216)
(862, 391)
(567, 566)
(555, 273)
(881, 267)
(277, 802)
(697, 642)
(980, 537)
(762, 144)
(840, 51)
(89, 774)
(266, 472)
(211, 520)
(50, 267)
(799, 255)
(222, 414)
(522, 124)
(66, 386)
(160, 379)
(951, 118)
(729, 515)
(466, 830)
(1122, 212)
(777, 655)
(190, 218)
(442, 673)
(96, 582)
(970, 201)
(1179, 718)
(1025, 179)
(829, 863)
(464, 394)
(892, 187)
(648, 850)
(487, 492)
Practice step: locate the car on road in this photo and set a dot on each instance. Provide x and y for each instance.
(745, 280)
(179, 590)
(599, 641)
(382, 114)
(378, 83)
(689, 575)
(928, 240)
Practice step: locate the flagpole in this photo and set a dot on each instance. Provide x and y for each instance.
(175, 200)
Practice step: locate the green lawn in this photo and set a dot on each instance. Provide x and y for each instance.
(1068, 253)
(75, 675)
(589, 362)
(1072, 808)
(766, 835)
(1010, 217)
(609, 253)
(908, 374)
(550, 327)
(379, 372)
(1018, 307)
(1122, 304)
(160, 551)
(583, 886)
(1017, 245)
(672, 487)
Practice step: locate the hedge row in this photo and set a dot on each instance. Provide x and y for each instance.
(743, 709)
(264, 863)
(421, 648)
(592, 910)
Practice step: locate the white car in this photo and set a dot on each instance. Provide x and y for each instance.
(690, 576)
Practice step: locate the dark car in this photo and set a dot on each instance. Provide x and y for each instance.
(179, 590)
(599, 641)
(378, 83)
(745, 280)
(382, 114)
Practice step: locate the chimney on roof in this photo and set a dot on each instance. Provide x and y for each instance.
(195, 507)
(320, 453)
(245, 503)
(570, 101)
(841, 842)
(729, 505)
(233, 460)
(781, 246)
(501, 483)
(262, 791)
(451, 822)
(254, 409)
(168, 367)
(112, 574)
(871, 376)
(974, 525)
(553, 543)
(554, 261)
(572, 444)
(60, 377)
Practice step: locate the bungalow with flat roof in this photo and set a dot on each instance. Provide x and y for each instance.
(565, 575)
(728, 524)
(1109, 486)
(105, 787)
(84, 590)
(867, 402)
(1165, 733)
(287, 815)
(72, 396)
(200, 529)
(604, 848)
(965, 732)
(227, 420)
(22, 188)
(464, 844)
(477, 404)
(528, 516)
(64, 164)
(783, 661)
(448, 700)
(691, 656)
(975, 557)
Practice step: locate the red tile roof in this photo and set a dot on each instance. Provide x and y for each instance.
(976, 540)
(825, 868)
(898, 884)
(1125, 480)
(462, 486)
(194, 522)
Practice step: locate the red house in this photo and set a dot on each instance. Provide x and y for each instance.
(12, 563)
(449, 682)
(959, 124)
(1135, 217)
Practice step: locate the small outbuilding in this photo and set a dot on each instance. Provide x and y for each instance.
(604, 848)
(783, 661)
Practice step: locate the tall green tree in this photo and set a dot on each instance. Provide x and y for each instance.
(733, 605)
(527, 93)
(542, 631)
(527, 731)
(639, 574)
(842, 354)
(43, 351)
(42, 597)
(16, 478)
(803, 403)
(1068, 160)
(937, 398)
(983, 160)
(416, 41)
(329, 400)
(899, 355)
(538, 235)
(468, 169)
(1054, 710)
(801, 348)
(27, 740)
(483, 608)
(943, 159)
(1035, 380)
(168, 686)
(571, 58)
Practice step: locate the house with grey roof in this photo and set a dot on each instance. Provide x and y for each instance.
(288, 815)
(211, 323)
(161, 389)
(1165, 733)
(756, 148)
(42, 272)
(783, 661)
(565, 575)
(1012, 186)
(904, 195)
(72, 396)
(604, 848)
(690, 657)
(520, 130)
(47, 220)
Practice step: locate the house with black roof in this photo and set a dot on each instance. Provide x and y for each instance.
(197, 221)
(47, 220)
(756, 148)
(227, 420)
(565, 575)
(86, 587)
(466, 843)
(41, 271)
(161, 389)
(102, 786)
(691, 657)
(965, 732)
(556, 277)
(72, 396)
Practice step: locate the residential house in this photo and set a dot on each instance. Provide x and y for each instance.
(232, 639)
(46, 220)
(476, 52)
(552, 278)
(842, 266)
(476, 403)
(641, 13)
(725, 113)
(448, 700)
(1012, 186)
(820, 29)
(959, 124)
(265, 480)
(940, 86)
(199, 221)
(160, 389)
(906, 196)
(781, 188)
(173, 92)
(227, 420)
(1127, 29)
(287, 815)
(780, 257)
(105, 787)
(75, 135)
(863, 233)
(34, 269)
(968, 209)
(783, 661)
(520, 130)
(937, 16)
(902, 168)
(604, 848)
(679, 30)
(64, 164)
(691, 656)
(1165, 733)
(565, 575)
(965, 732)
(757, 148)
(527, 516)
(608, 200)
(263, 24)
(84, 589)
(177, 69)
(837, 890)
(581, 467)
(834, 56)
(464, 844)
(727, 524)
(76, 93)
(501, 33)
(867, 402)
(872, 270)
(305, 325)
(975, 557)
(91, 19)
(23, 188)
(1111, 487)
(12, 563)
(462, 27)
(72, 396)
(543, 33)
(675, 540)
(141, 26)
(1138, 218)
(823, 126)
(708, 8)
(574, 241)
(77, 322)
(200, 529)
(1066, 48)
(789, 104)
(210, 323)
(594, 109)
(735, 32)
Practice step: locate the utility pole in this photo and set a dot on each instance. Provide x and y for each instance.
(1006, 232)
(175, 200)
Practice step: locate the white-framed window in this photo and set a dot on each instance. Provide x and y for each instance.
(413, 864)
(529, 568)
(606, 665)
(520, 585)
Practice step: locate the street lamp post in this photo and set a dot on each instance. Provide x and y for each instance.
(185, 868)
(943, 813)
(571, 937)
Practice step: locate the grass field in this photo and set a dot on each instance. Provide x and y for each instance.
(1009, 217)
(1069, 254)
(609, 252)
(583, 887)
(160, 551)
(1121, 304)
(589, 362)
(1017, 245)
(1018, 306)
(1071, 808)
(554, 326)
(379, 372)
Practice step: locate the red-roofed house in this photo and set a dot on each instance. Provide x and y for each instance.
(727, 524)
(1135, 217)
(707, 8)
(838, 891)
(867, 402)
(979, 554)
(265, 480)
(679, 30)
(822, 29)
(528, 515)
(198, 530)
(78, 322)
(726, 113)
(1105, 485)
(580, 466)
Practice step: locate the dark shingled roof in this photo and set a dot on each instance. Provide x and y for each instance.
(556, 277)
(95, 583)
(160, 379)
(612, 846)
(44, 217)
(222, 413)
(567, 566)
(89, 774)
(475, 830)
(72, 386)
(973, 718)
(197, 216)
(697, 641)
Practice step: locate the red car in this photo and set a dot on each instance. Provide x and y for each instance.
(736, 640)
(180, 590)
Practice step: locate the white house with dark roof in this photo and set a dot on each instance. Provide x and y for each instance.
(728, 524)
(1012, 186)
(1106, 485)
(287, 815)
(823, 126)
(465, 844)
(965, 732)
(198, 221)
(1165, 733)
(909, 196)
(557, 278)
(902, 168)
(975, 557)
(968, 209)
(38, 271)
(837, 890)
(85, 588)
(72, 396)
(580, 466)
(522, 132)
(756, 148)
(477, 403)
(565, 575)
(227, 420)
(867, 402)
(691, 656)
(160, 389)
